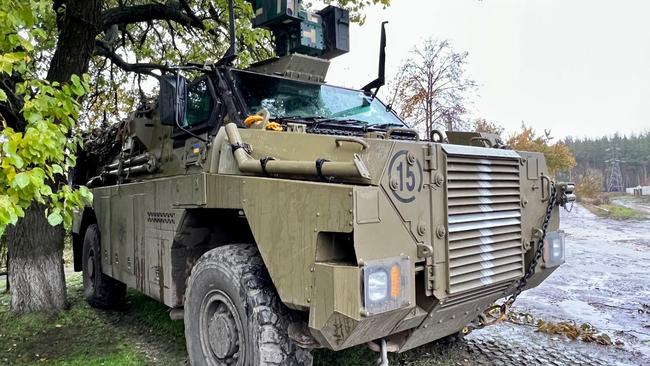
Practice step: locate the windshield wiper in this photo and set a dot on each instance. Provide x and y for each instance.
(297, 118)
(316, 120)
(390, 124)
(346, 121)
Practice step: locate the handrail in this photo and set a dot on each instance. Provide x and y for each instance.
(546, 178)
(268, 165)
(413, 132)
(340, 139)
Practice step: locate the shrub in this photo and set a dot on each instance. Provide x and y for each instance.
(589, 185)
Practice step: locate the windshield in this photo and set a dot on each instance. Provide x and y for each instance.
(288, 98)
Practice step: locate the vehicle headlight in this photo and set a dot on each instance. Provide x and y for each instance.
(377, 285)
(386, 284)
(554, 249)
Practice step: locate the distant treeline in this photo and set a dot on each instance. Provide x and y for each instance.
(633, 152)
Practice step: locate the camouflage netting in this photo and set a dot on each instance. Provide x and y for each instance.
(101, 145)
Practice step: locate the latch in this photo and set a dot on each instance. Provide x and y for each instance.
(424, 250)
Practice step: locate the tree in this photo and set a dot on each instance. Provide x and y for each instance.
(589, 184)
(483, 125)
(45, 45)
(432, 88)
(558, 155)
(633, 151)
(37, 148)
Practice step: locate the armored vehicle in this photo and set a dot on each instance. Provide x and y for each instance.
(275, 214)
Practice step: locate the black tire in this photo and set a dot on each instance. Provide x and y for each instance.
(233, 315)
(100, 290)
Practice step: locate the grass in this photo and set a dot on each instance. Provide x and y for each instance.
(616, 212)
(79, 336)
(141, 333)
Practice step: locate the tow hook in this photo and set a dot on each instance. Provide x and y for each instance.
(383, 359)
(383, 347)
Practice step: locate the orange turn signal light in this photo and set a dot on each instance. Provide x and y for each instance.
(395, 281)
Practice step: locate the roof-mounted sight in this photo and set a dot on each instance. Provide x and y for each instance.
(323, 34)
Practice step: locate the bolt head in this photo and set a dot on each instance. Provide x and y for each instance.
(394, 183)
(422, 228)
(441, 232)
(439, 179)
(410, 158)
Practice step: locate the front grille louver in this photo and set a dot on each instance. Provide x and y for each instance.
(484, 223)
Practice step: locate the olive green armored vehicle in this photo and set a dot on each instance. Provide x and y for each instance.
(275, 214)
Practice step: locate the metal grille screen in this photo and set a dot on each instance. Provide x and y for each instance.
(484, 223)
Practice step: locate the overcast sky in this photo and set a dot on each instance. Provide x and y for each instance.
(579, 68)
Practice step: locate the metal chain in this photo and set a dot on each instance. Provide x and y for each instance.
(540, 248)
(484, 318)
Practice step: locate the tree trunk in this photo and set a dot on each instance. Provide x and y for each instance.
(36, 248)
(36, 270)
(79, 25)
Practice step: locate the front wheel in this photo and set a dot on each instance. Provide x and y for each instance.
(233, 315)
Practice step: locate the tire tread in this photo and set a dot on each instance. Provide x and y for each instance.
(263, 306)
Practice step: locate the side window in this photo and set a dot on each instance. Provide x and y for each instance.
(199, 104)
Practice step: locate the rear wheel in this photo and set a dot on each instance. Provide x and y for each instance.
(233, 315)
(100, 290)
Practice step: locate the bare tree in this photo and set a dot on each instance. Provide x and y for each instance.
(432, 87)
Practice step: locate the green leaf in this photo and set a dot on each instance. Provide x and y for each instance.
(3, 95)
(33, 117)
(78, 90)
(55, 219)
(15, 57)
(56, 169)
(86, 194)
(75, 80)
(46, 190)
(21, 180)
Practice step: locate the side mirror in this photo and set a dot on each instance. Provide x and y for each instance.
(171, 101)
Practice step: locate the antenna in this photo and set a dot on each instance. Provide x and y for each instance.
(231, 53)
(381, 79)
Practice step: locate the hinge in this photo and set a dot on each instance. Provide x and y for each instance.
(430, 161)
(428, 277)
